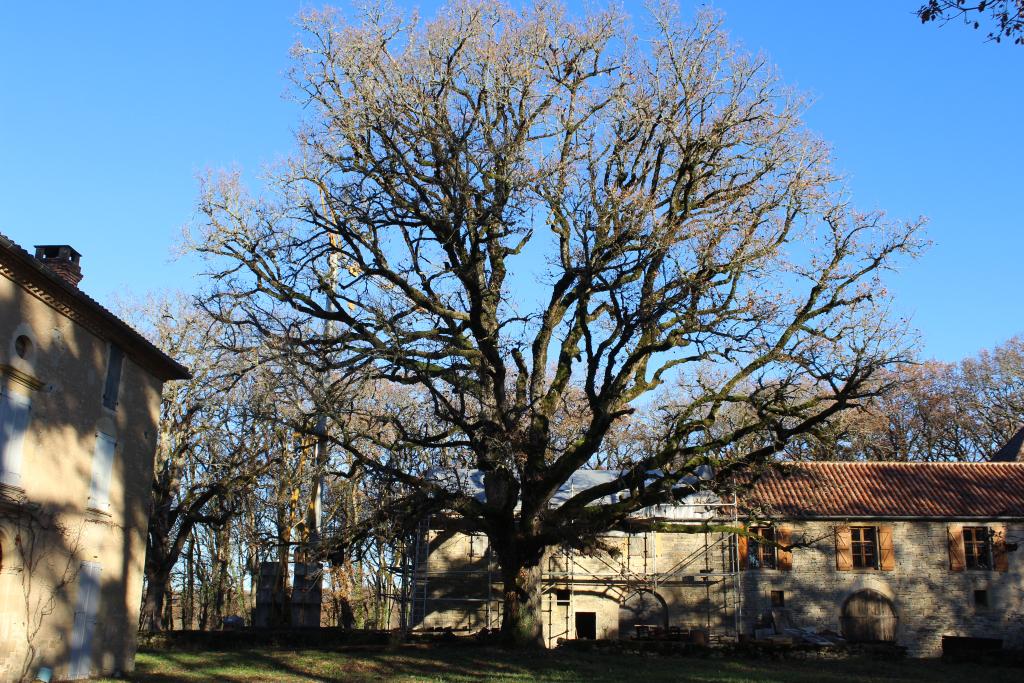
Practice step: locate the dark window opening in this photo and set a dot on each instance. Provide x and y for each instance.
(22, 346)
(586, 625)
(778, 599)
(981, 598)
(762, 555)
(977, 547)
(113, 383)
(864, 547)
(562, 596)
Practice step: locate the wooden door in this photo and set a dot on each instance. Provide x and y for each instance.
(869, 617)
(86, 607)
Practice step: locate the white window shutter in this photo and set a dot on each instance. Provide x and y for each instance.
(14, 417)
(102, 464)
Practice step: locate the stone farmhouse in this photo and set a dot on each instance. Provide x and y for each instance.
(79, 409)
(901, 552)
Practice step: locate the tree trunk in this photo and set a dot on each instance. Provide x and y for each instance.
(169, 605)
(220, 573)
(188, 597)
(152, 617)
(521, 619)
(158, 578)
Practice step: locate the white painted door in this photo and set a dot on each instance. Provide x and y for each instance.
(86, 607)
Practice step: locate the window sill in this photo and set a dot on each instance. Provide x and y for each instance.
(97, 512)
(21, 377)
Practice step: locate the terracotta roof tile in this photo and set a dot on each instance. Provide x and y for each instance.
(884, 489)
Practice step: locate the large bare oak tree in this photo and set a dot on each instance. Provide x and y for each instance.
(511, 211)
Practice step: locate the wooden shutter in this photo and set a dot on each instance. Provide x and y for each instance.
(955, 541)
(784, 536)
(1000, 560)
(102, 464)
(886, 550)
(844, 549)
(741, 550)
(115, 361)
(14, 417)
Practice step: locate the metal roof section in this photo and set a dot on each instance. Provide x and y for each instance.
(700, 505)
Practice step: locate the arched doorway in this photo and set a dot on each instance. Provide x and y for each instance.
(869, 617)
(642, 608)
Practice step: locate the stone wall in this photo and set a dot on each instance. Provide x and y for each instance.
(929, 599)
(696, 587)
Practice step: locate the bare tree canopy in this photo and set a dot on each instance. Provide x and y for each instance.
(932, 411)
(521, 217)
(1001, 18)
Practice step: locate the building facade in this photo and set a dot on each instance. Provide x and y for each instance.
(907, 553)
(79, 408)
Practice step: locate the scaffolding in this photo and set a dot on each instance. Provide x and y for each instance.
(567, 571)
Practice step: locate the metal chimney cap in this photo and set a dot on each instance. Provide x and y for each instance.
(64, 252)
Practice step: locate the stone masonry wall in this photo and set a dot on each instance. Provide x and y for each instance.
(699, 590)
(929, 599)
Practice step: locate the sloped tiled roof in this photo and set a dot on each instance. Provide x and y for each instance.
(884, 489)
(165, 367)
(1013, 451)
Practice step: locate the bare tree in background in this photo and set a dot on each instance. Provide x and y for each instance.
(212, 443)
(930, 411)
(498, 208)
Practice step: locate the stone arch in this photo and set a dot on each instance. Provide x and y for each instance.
(868, 616)
(645, 607)
(875, 583)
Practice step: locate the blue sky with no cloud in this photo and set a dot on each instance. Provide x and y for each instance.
(109, 111)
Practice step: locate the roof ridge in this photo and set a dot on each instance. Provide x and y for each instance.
(919, 463)
(171, 368)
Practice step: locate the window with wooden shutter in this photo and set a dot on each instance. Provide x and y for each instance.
(844, 552)
(14, 417)
(102, 465)
(955, 543)
(1000, 560)
(864, 547)
(112, 385)
(977, 547)
(886, 548)
(784, 536)
(761, 548)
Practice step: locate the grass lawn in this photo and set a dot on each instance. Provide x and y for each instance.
(460, 663)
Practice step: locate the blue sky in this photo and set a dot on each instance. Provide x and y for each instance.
(109, 111)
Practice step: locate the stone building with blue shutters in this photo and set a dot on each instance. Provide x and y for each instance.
(79, 408)
(910, 553)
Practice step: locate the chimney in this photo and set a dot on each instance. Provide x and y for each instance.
(62, 260)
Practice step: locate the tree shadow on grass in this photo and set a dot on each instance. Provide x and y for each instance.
(456, 664)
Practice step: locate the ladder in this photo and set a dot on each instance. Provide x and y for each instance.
(420, 560)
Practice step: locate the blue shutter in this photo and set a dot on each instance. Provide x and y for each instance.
(14, 416)
(102, 464)
(113, 383)
(86, 609)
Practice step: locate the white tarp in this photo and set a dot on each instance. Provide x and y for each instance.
(696, 506)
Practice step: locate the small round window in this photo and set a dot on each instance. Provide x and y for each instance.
(22, 346)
